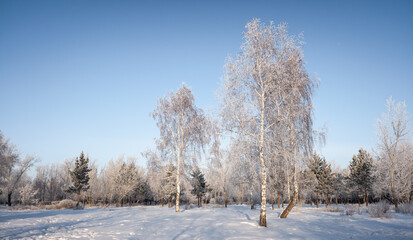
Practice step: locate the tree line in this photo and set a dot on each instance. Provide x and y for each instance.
(259, 143)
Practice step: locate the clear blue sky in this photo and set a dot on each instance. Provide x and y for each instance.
(85, 75)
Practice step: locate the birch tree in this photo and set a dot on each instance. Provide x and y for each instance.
(48, 183)
(248, 84)
(245, 169)
(392, 130)
(12, 167)
(406, 171)
(264, 83)
(155, 169)
(15, 174)
(127, 180)
(94, 184)
(219, 163)
(8, 157)
(403, 174)
(297, 112)
(27, 193)
(182, 128)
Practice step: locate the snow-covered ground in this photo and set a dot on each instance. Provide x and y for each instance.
(234, 222)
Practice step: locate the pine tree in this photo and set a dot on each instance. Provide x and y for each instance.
(80, 176)
(199, 185)
(361, 172)
(322, 171)
(325, 179)
(169, 183)
(127, 180)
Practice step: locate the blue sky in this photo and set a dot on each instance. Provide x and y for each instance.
(85, 75)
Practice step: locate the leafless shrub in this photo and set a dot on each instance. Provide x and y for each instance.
(334, 209)
(348, 212)
(188, 206)
(380, 209)
(23, 207)
(405, 208)
(66, 204)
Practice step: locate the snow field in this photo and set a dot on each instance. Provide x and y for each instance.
(234, 222)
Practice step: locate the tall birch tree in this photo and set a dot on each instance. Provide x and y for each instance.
(298, 109)
(248, 84)
(259, 86)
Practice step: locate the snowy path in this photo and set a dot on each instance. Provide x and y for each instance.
(235, 222)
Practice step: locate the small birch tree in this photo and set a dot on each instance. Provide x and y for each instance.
(182, 129)
(392, 130)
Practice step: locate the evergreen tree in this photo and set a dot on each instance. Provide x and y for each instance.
(169, 183)
(199, 185)
(340, 186)
(322, 171)
(326, 179)
(80, 176)
(361, 172)
(127, 180)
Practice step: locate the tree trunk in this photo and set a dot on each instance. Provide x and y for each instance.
(411, 187)
(178, 183)
(9, 199)
(295, 197)
(311, 198)
(78, 199)
(326, 199)
(366, 197)
(279, 199)
(288, 185)
(393, 190)
(263, 216)
(272, 200)
(44, 192)
(290, 206)
(317, 199)
(298, 198)
(225, 197)
(251, 202)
